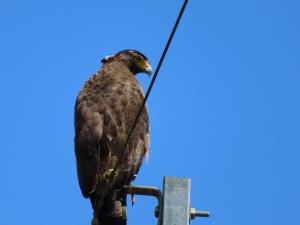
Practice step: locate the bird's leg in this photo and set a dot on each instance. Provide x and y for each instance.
(109, 175)
(118, 208)
(124, 204)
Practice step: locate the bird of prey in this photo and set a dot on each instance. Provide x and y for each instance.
(105, 111)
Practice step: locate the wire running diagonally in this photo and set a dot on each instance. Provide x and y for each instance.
(155, 73)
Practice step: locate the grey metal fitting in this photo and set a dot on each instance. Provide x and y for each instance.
(156, 212)
(194, 213)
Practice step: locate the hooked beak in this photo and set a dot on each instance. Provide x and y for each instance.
(148, 69)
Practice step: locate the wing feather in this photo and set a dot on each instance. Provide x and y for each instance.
(104, 112)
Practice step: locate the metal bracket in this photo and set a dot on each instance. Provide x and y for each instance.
(173, 204)
(149, 191)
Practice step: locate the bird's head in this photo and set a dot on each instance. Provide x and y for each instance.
(136, 61)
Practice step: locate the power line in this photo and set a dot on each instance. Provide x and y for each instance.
(156, 72)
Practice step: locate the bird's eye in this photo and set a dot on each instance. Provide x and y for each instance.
(137, 58)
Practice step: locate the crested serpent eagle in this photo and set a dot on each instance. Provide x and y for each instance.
(104, 114)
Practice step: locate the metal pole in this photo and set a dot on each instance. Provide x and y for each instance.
(173, 204)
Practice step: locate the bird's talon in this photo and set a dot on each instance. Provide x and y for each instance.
(132, 199)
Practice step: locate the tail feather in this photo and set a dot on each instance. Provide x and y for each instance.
(112, 210)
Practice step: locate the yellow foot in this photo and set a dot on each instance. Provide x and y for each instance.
(109, 175)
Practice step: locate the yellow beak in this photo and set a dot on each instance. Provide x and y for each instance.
(148, 68)
(144, 66)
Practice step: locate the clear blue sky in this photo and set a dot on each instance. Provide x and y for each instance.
(224, 111)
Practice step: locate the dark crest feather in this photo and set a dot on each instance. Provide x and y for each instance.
(132, 50)
(126, 51)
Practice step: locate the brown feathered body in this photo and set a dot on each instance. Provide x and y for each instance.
(104, 114)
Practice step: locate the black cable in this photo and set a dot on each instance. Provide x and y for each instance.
(156, 72)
